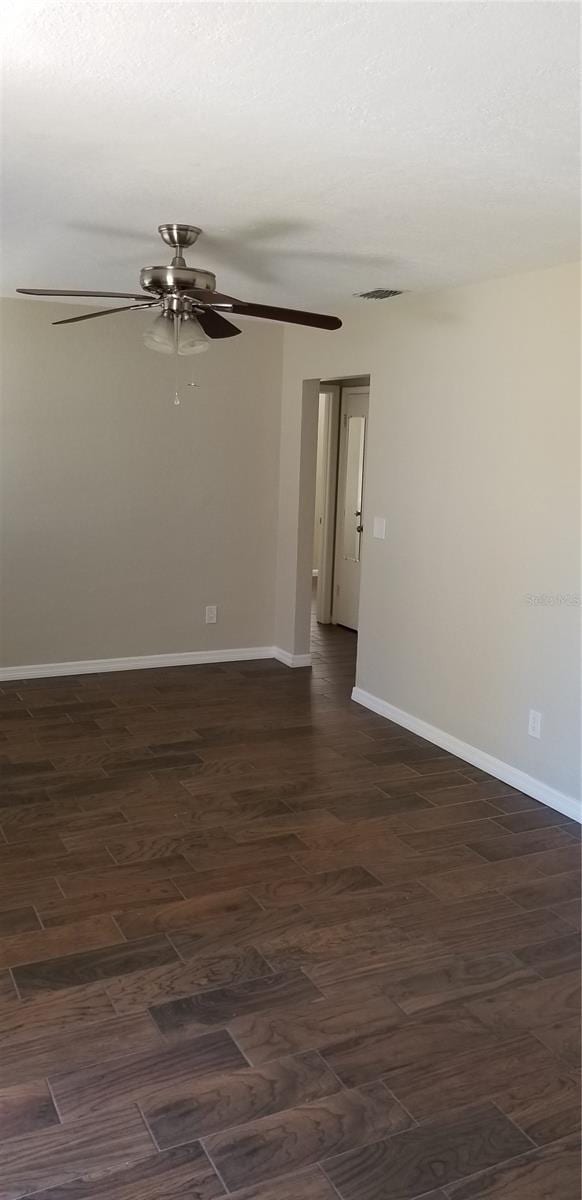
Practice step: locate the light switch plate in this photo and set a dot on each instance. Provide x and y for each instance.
(534, 725)
(379, 530)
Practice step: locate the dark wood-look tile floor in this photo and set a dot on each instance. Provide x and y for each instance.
(256, 941)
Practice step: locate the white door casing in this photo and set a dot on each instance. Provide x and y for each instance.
(330, 435)
(349, 519)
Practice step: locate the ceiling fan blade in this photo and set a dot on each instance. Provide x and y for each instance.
(106, 295)
(104, 312)
(208, 297)
(292, 315)
(214, 325)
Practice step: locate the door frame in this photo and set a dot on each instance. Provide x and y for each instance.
(297, 470)
(324, 598)
(359, 390)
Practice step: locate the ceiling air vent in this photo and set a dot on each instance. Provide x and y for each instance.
(377, 294)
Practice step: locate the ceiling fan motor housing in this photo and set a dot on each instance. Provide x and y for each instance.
(172, 279)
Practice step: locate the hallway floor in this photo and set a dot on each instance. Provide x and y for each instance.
(257, 941)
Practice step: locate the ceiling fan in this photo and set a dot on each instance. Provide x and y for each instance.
(191, 310)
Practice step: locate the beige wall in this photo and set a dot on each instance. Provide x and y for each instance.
(122, 515)
(473, 458)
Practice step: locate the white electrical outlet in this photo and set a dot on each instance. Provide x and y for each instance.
(379, 527)
(210, 614)
(534, 727)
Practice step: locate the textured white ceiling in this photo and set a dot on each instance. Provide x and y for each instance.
(324, 148)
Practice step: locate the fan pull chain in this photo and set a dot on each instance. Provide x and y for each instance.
(176, 360)
(176, 367)
(191, 384)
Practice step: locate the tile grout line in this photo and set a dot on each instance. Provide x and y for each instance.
(232, 1036)
(157, 1147)
(319, 1167)
(54, 1101)
(214, 1166)
(137, 1105)
(415, 1123)
(502, 1163)
(39, 919)
(14, 984)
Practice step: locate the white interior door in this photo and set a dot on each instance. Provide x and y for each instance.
(330, 438)
(349, 522)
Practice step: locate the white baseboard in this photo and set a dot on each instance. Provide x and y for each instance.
(291, 660)
(568, 805)
(148, 662)
(142, 662)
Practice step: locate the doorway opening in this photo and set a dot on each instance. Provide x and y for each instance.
(339, 518)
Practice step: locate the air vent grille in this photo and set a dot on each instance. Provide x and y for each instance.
(377, 294)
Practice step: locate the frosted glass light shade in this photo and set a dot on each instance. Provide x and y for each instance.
(191, 337)
(160, 336)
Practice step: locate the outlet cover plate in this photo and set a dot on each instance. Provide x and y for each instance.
(534, 726)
